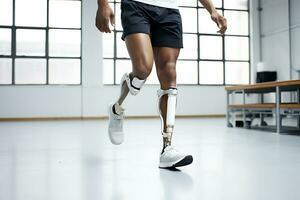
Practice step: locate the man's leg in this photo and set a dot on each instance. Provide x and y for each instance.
(141, 54)
(165, 60)
(140, 51)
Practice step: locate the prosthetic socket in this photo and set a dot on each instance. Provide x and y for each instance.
(167, 122)
(134, 85)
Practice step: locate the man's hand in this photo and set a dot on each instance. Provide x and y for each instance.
(220, 21)
(105, 15)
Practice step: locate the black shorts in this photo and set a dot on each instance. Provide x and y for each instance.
(162, 24)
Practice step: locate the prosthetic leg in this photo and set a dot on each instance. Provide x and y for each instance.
(128, 84)
(170, 156)
(115, 110)
(166, 107)
(134, 84)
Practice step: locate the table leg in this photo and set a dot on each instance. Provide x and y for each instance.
(228, 110)
(278, 116)
(298, 101)
(244, 110)
(261, 116)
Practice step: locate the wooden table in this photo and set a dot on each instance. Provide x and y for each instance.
(278, 108)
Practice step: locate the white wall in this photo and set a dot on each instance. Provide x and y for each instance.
(254, 38)
(91, 99)
(275, 36)
(295, 31)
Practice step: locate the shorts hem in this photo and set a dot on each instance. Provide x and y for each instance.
(169, 43)
(135, 29)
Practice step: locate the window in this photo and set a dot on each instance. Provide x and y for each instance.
(212, 60)
(39, 43)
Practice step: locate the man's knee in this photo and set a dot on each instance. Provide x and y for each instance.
(137, 78)
(167, 71)
(142, 68)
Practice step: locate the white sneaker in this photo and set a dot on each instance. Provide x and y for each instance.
(115, 127)
(172, 158)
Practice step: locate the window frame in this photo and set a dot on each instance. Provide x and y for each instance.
(13, 56)
(198, 34)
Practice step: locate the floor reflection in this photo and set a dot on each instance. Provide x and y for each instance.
(175, 183)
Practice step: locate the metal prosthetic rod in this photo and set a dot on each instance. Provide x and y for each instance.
(167, 115)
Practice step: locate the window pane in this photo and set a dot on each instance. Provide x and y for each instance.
(31, 13)
(236, 4)
(189, 19)
(31, 42)
(238, 22)
(108, 45)
(187, 72)
(217, 3)
(64, 71)
(211, 47)
(5, 71)
(64, 43)
(5, 41)
(6, 12)
(58, 16)
(121, 47)
(108, 71)
(188, 3)
(211, 44)
(122, 66)
(206, 25)
(190, 47)
(236, 48)
(237, 72)
(211, 73)
(30, 71)
(118, 17)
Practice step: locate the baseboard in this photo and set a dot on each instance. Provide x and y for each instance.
(102, 117)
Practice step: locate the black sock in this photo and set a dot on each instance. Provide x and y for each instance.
(114, 110)
(163, 149)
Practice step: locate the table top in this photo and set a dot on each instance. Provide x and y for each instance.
(265, 85)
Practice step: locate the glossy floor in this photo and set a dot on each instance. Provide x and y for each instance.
(73, 160)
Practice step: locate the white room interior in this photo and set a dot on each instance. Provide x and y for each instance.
(87, 100)
(55, 135)
(273, 35)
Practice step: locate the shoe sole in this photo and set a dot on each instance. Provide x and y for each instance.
(187, 160)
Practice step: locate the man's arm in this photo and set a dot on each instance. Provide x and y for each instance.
(215, 16)
(104, 16)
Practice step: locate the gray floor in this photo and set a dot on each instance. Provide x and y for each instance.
(73, 160)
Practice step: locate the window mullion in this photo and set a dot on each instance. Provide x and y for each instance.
(13, 42)
(222, 57)
(223, 49)
(47, 45)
